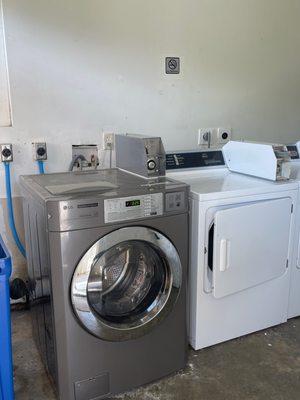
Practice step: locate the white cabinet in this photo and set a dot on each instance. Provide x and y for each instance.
(241, 251)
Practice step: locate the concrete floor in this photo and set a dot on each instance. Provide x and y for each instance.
(261, 366)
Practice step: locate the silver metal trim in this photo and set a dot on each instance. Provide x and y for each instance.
(159, 309)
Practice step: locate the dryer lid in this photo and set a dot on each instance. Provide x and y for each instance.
(220, 183)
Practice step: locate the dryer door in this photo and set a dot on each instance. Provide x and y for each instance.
(126, 283)
(250, 245)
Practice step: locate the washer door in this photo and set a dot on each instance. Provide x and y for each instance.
(126, 283)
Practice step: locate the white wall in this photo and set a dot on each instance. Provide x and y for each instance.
(5, 115)
(77, 67)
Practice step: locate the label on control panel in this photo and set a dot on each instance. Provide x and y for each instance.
(133, 207)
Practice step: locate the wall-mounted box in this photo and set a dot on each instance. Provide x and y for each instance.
(88, 156)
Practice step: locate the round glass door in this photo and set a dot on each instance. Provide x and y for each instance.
(126, 283)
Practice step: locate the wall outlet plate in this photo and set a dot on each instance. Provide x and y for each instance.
(6, 152)
(39, 151)
(224, 135)
(206, 137)
(108, 141)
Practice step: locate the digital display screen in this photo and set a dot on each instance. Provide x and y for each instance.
(133, 203)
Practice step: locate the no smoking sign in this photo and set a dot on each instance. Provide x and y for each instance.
(172, 65)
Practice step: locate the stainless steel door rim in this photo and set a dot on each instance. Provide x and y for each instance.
(87, 287)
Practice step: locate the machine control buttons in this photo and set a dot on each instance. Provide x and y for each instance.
(175, 201)
(194, 159)
(129, 208)
(151, 164)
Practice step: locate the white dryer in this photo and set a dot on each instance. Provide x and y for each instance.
(241, 230)
(294, 300)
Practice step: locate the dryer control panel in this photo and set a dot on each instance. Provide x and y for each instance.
(133, 207)
(194, 159)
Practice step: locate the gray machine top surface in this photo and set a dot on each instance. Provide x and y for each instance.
(91, 199)
(100, 183)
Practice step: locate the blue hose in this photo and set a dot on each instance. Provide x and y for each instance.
(41, 166)
(11, 219)
(6, 366)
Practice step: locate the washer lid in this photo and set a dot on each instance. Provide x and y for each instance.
(98, 183)
(70, 188)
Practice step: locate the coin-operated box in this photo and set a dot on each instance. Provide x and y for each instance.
(263, 160)
(142, 155)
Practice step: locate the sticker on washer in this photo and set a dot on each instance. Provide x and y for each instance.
(133, 207)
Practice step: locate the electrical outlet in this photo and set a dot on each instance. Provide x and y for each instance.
(205, 137)
(6, 152)
(108, 140)
(39, 151)
(223, 135)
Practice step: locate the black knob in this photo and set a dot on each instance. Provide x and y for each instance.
(224, 135)
(151, 164)
(41, 151)
(6, 152)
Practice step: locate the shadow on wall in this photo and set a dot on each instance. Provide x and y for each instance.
(19, 263)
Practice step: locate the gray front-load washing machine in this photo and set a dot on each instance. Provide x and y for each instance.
(107, 258)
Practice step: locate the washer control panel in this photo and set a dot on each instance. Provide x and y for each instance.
(133, 207)
(175, 201)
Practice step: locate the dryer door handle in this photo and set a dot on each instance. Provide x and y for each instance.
(224, 254)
